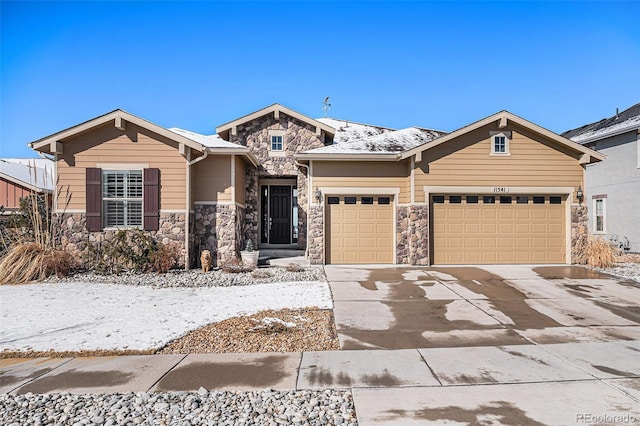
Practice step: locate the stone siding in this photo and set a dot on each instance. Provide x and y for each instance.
(72, 234)
(412, 235)
(217, 228)
(316, 235)
(579, 225)
(299, 136)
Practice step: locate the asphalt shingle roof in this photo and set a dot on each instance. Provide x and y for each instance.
(629, 118)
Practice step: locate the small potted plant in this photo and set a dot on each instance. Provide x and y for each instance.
(249, 255)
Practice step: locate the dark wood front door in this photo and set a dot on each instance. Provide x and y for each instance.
(280, 206)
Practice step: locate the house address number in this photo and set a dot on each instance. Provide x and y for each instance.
(501, 189)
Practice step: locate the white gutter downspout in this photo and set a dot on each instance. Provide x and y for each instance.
(187, 213)
(306, 251)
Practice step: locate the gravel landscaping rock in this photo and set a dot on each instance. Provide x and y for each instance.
(627, 266)
(285, 330)
(267, 407)
(197, 278)
(623, 270)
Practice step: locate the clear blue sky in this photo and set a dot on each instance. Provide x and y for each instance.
(197, 65)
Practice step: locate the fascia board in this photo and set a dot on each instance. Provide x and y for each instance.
(271, 109)
(88, 125)
(24, 184)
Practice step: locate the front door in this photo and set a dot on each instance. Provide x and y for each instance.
(280, 214)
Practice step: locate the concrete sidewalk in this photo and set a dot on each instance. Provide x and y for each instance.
(526, 384)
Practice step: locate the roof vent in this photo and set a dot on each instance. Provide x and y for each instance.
(617, 112)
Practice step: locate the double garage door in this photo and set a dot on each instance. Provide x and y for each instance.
(494, 229)
(465, 229)
(359, 229)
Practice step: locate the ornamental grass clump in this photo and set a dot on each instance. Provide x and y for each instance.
(28, 244)
(30, 261)
(594, 252)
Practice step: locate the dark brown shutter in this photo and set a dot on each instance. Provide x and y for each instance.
(94, 199)
(151, 199)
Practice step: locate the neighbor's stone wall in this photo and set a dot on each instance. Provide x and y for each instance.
(412, 235)
(316, 235)
(216, 228)
(72, 235)
(299, 136)
(579, 225)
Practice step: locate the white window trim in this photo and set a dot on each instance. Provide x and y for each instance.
(604, 216)
(507, 143)
(120, 168)
(279, 152)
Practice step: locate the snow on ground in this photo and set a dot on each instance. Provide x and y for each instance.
(83, 316)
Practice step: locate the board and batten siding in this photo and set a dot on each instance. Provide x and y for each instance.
(108, 145)
(466, 161)
(11, 193)
(211, 179)
(363, 174)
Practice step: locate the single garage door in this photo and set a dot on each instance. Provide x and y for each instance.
(494, 229)
(359, 229)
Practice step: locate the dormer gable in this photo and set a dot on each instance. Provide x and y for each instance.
(228, 130)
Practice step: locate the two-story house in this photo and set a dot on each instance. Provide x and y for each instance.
(613, 186)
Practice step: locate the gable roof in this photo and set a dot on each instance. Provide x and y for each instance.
(369, 141)
(209, 141)
(274, 109)
(32, 173)
(588, 155)
(202, 143)
(626, 121)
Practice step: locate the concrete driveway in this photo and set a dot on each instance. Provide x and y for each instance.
(422, 307)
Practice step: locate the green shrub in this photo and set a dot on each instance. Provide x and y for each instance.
(130, 250)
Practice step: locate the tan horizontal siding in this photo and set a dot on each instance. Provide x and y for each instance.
(240, 174)
(211, 179)
(134, 145)
(364, 174)
(466, 161)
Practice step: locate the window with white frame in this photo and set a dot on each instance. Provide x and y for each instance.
(276, 143)
(500, 143)
(122, 192)
(599, 211)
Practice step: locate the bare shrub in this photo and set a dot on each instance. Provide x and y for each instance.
(262, 273)
(236, 266)
(294, 267)
(594, 252)
(164, 258)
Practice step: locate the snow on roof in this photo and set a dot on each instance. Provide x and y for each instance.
(210, 141)
(33, 172)
(627, 120)
(356, 138)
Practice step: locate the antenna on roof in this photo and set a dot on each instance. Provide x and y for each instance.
(326, 106)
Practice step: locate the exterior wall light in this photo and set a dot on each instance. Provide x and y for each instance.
(318, 195)
(580, 195)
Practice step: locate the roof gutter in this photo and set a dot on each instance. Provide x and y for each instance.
(349, 157)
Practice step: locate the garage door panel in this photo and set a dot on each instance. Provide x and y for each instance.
(498, 233)
(359, 233)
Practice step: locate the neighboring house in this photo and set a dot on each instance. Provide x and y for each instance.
(613, 186)
(20, 177)
(500, 190)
